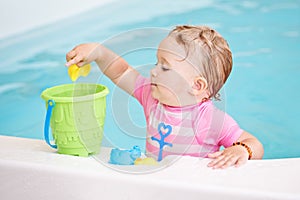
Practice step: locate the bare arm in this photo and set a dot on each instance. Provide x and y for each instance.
(255, 146)
(111, 64)
(237, 155)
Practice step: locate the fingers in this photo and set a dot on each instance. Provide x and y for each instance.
(240, 162)
(71, 55)
(226, 158)
(215, 155)
(83, 54)
(77, 60)
(77, 55)
(222, 162)
(74, 58)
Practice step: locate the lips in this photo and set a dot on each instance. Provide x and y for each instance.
(153, 84)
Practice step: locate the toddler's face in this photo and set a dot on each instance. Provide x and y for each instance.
(173, 76)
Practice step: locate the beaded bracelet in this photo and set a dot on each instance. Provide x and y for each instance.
(246, 146)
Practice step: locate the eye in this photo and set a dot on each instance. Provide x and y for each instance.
(164, 68)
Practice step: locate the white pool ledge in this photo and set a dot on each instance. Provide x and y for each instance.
(29, 169)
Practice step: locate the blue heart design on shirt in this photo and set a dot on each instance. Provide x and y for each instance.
(164, 131)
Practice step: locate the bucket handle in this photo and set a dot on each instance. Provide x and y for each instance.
(51, 104)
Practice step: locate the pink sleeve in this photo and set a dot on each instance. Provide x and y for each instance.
(230, 132)
(216, 127)
(142, 89)
(142, 93)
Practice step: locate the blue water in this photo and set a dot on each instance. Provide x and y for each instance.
(262, 93)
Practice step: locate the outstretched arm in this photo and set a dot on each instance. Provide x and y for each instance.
(238, 154)
(111, 64)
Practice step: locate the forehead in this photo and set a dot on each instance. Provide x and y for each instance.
(169, 47)
(176, 55)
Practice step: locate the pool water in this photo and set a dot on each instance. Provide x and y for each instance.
(262, 93)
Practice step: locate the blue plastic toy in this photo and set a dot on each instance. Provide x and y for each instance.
(167, 129)
(124, 157)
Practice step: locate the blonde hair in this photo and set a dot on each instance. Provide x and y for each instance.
(211, 52)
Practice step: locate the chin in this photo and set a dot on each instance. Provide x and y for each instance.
(156, 97)
(153, 95)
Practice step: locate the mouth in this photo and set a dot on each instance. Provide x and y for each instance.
(153, 84)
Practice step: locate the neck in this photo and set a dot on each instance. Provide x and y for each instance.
(187, 101)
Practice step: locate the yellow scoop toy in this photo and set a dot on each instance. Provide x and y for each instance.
(74, 71)
(145, 161)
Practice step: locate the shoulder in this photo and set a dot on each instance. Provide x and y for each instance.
(142, 91)
(204, 109)
(210, 116)
(142, 85)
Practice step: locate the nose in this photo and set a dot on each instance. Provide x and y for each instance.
(153, 72)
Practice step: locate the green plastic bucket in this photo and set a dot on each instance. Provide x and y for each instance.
(76, 114)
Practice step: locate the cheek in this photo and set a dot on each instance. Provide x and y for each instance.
(170, 91)
(177, 83)
(172, 82)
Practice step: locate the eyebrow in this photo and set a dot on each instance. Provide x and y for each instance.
(165, 60)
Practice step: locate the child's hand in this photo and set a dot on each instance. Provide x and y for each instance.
(234, 155)
(82, 54)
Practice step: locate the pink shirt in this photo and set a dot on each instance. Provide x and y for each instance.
(194, 130)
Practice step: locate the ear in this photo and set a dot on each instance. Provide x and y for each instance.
(199, 85)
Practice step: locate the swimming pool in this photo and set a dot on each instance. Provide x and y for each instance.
(264, 37)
